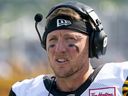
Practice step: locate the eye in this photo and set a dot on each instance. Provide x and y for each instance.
(51, 46)
(52, 41)
(70, 39)
(71, 45)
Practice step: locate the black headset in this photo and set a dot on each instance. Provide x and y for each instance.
(97, 39)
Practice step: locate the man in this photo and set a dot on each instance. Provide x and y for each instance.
(73, 34)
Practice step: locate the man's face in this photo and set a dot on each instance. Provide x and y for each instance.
(67, 52)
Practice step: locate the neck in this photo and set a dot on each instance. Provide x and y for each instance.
(75, 81)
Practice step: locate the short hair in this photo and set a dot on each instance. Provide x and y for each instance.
(64, 11)
(68, 12)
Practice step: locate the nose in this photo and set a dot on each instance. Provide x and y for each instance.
(60, 47)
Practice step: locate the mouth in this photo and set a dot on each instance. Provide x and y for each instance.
(61, 60)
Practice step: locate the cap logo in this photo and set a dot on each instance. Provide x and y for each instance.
(61, 22)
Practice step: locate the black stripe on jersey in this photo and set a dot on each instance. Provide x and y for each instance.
(56, 92)
(125, 88)
(11, 93)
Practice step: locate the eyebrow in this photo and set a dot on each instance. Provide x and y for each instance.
(51, 37)
(74, 35)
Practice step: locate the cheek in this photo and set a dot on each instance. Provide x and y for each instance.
(73, 47)
(79, 51)
(50, 54)
(74, 52)
(79, 48)
(50, 49)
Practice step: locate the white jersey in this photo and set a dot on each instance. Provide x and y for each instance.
(109, 81)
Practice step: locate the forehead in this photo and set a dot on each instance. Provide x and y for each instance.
(65, 32)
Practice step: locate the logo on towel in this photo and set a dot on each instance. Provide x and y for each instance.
(63, 22)
(107, 91)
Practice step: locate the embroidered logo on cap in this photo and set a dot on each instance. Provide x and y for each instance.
(61, 22)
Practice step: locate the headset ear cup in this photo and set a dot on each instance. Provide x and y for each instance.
(97, 44)
(100, 43)
(91, 45)
(104, 39)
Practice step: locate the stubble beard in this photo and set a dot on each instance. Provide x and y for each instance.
(68, 74)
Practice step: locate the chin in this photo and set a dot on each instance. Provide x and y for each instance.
(66, 75)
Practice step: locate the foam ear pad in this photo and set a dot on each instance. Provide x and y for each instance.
(98, 44)
(91, 45)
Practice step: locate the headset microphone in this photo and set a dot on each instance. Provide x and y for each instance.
(38, 17)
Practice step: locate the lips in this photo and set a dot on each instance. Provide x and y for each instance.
(61, 60)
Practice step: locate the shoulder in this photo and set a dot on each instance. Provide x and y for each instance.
(119, 65)
(28, 82)
(118, 68)
(28, 86)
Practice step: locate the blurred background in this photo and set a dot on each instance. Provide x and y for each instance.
(21, 55)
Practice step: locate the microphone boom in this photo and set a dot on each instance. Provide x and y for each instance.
(38, 17)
